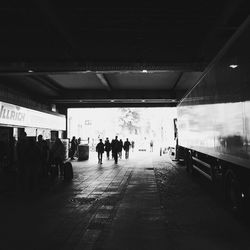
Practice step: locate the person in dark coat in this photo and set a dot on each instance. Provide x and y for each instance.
(44, 153)
(21, 149)
(132, 145)
(73, 147)
(29, 160)
(151, 145)
(33, 167)
(107, 147)
(120, 148)
(100, 151)
(58, 155)
(126, 147)
(115, 145)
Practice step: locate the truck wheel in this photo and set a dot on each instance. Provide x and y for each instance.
(233, 191)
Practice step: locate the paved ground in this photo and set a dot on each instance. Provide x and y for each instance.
(146, 202)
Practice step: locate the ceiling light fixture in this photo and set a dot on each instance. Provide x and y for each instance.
(142, 100)
(233, 66)
(112, 100)
(30, 71)
(144, 71)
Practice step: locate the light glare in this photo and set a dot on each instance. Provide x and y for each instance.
(233, 66)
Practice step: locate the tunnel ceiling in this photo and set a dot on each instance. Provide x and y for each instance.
(112, 54)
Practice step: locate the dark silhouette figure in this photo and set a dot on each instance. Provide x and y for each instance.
(100, 151)
(28, 155)
(120, 148)
(107, 147)
(115, 145)
(57, 154)
(132, 145)
(44, 155)
(73, 147)
(21, 150)
(33, 167)
(79, 141)
(151, 145)
(126, 147)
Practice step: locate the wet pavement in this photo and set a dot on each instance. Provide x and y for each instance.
(146, 202)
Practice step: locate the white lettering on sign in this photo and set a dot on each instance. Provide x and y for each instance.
(11, 114)
(19, 116)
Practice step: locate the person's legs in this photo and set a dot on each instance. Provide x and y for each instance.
(73, 153)
(126, 154)
(101, 158)
(115, 157)
(98, 157)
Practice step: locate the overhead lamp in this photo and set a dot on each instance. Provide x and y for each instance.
(142, 100)
(144, 71)
(30, 71)
(233, 66)
(112, 100)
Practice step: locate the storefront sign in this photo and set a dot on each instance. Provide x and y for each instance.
(14, 115)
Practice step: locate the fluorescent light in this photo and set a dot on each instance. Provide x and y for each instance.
(142, 100)
(233, 66)
(30, 71)
(112, 100)
(144, 71)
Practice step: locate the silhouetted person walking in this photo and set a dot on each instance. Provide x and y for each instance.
(151, 145)
(126, 147)
(100, 151)
(132, 145)
(29, 163)
(107, 147)
(58, 154)
(33, 166)
(115, 145)
(73, 147)
(44, 153)
(22, 146)
(120, 148)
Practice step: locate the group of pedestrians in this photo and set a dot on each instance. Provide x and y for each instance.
(115, 147)
(35, 159)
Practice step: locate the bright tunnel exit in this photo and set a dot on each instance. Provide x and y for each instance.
(141, 125)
